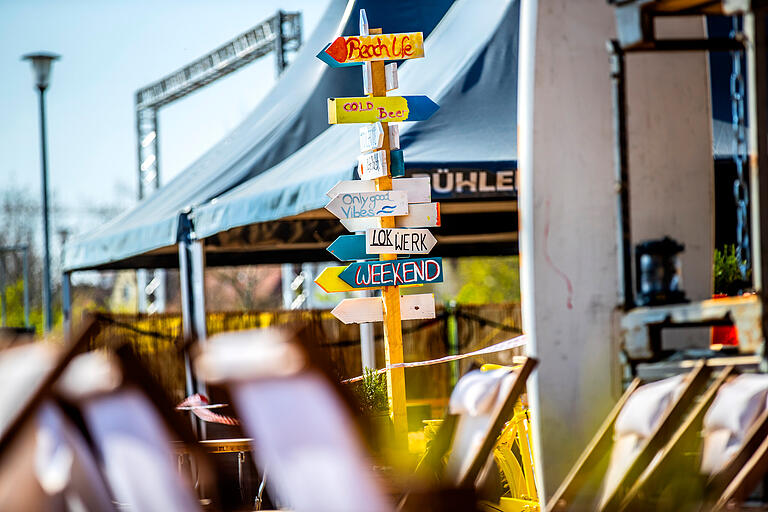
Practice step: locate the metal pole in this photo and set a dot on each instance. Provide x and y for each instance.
(452, 328)
(621, 167)
(25, 265)
(279, 55)
(3, 310)
(66, 302)
(47, 307)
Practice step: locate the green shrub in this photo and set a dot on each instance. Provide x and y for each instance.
(728, 278)
(372, 392)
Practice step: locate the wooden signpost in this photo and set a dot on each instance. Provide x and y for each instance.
(419, 190)
(378, 165)
(393, 272)
(373, 109)
(422, 215)
(371, 309)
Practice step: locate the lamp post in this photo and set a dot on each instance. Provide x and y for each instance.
(41, 65)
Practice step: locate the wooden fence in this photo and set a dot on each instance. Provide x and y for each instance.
(157, 339)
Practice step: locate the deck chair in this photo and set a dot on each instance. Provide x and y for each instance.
(673, 479)
(735, 429)
(302, 428)
(131, 427)
(51, 467)
(637, 428)
(710, 450)
(480, 405)
(45, 463)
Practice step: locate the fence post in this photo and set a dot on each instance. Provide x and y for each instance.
(452, 335)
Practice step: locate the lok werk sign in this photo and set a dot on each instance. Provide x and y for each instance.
(354, 205)
(393, 272)
(468, 183)
(398, 241)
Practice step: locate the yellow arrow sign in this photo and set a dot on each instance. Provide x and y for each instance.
(368, 109)
(330, 281)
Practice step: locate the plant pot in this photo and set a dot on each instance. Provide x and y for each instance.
(379, 430)
(723, 336)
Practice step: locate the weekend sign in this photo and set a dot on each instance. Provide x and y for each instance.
(393, 272)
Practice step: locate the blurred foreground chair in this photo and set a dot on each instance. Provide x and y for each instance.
(132, 427)
(48, 465)
(86, 432)
(481, 404)
(301, 422)
(714, 459)
(640, 424)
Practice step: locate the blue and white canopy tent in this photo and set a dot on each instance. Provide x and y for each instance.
(472, 58)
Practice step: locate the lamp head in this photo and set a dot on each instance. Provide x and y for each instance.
(41, 65)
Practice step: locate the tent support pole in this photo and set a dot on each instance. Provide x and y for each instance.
(191, 274)
(66, 301)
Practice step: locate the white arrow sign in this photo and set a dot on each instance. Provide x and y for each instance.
(372, 165)
(398, 241)
(356, 205)
(394, 136)
(371, 309)
(423, 215)
(371, 137)
(390, 77)
(419, 190)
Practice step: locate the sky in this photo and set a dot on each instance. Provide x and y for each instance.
(109, 49)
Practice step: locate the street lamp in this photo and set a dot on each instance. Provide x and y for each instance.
(41, 65)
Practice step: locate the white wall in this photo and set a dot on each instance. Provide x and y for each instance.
(568, 242)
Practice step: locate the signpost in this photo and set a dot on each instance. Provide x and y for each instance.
(419, 190)
(371, 309)
(393, 272)
(398, 241)
(356, 205)
(373, 109)
(378, 165)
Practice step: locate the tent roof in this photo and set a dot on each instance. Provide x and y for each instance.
(470, 70)
(292, 114)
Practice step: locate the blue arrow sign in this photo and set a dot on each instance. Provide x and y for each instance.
(350, 248)
(393, 272)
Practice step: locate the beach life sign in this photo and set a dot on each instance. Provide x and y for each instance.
(354, 50)
(393, 272)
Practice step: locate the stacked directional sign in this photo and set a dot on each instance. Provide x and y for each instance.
(387, 213)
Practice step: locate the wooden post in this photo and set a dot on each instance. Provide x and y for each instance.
(393, 333)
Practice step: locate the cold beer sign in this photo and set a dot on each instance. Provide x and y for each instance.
(393, 272)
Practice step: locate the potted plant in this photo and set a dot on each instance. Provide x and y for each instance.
(728, 282)
(373, 401)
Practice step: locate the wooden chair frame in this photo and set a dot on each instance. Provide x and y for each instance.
(442, 441)
(696, 379)
(685, 440)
